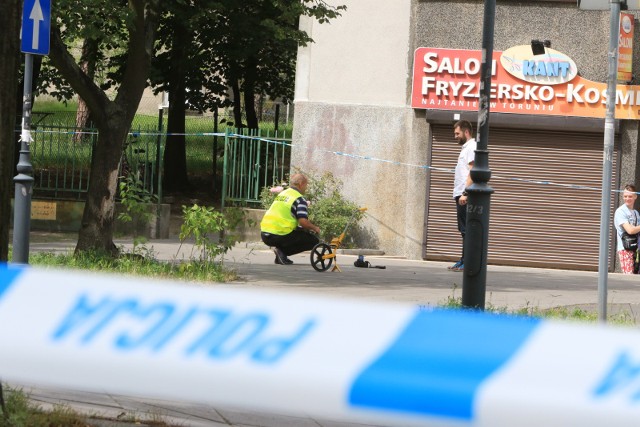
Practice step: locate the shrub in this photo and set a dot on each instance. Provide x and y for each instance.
(328, 208)
(208, 228)
(135, 199)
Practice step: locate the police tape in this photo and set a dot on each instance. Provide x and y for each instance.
(343, 154)
(316, 356)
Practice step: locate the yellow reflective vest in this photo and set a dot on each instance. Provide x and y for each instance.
(278, 219)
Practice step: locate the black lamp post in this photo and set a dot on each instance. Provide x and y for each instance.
(479, 192)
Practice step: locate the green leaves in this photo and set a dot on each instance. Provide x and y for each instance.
(135, 198)
(328, 209)
(211, 230)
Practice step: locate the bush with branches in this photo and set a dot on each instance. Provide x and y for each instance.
(328, 208)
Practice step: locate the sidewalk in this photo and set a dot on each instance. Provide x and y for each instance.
(424, 283)
(421, 283)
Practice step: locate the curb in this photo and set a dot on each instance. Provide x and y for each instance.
(370, 252)
(357, 251)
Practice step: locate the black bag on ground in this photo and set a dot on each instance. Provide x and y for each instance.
(629, 241)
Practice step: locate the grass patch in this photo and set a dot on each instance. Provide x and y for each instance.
(138, 265)
(579, 314)
(23, 412)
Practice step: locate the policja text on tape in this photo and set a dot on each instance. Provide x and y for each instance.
(368, 362)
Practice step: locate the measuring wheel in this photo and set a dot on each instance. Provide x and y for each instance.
(321, 257)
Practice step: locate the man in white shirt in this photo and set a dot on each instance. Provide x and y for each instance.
(627, 219)
(462, 131)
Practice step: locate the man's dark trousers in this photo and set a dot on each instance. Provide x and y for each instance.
(461, 212)
(293, 243)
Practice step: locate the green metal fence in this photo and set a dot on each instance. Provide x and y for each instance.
(252, 161)
(61, 158)
(60, 164)
(142, 157)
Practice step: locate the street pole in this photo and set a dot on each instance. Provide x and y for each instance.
(479, 193)
(24, 180)
(215, 149)
(609, 121)
(158, 181)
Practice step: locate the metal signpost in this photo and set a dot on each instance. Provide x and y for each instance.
(609, 135)
(36, 26)
(615, 7)
(476, 241)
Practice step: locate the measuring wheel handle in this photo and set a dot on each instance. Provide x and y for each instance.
(321, 257)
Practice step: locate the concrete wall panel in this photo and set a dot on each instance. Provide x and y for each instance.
(394, 193)
(360, 57)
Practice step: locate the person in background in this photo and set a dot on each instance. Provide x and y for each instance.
(286, 226)
(627, 219)
(462, 131)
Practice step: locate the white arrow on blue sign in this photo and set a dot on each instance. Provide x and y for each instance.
(36, 26)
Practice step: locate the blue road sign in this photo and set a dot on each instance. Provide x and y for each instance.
(36, 26)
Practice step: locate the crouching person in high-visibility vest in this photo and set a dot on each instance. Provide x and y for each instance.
(286, 226)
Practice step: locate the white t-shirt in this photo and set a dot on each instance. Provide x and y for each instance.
(624, 214)
(467, 155)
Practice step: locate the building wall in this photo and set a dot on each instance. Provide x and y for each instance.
(457, 24)
(359, 58)
(353, 86)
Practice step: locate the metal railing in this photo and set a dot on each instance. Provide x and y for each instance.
(60, 165)
(61, 157)
(253, 161)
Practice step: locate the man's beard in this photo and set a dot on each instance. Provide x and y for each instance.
(462, 141)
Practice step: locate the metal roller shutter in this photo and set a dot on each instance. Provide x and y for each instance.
(539, 225)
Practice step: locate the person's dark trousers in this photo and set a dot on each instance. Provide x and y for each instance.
(461, 212)
(293, 243)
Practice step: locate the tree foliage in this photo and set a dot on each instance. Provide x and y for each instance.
(208, 47)
(124, 33)
(201, 47)
(258, 46)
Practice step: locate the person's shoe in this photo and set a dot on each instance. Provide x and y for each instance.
(458, 268)
(285, 262)
(281, 258)
(455, 266)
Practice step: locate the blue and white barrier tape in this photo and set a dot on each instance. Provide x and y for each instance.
(310, 355)
(354, 156)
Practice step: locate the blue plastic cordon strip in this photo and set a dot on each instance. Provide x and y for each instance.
(439, 361)
(7, 276)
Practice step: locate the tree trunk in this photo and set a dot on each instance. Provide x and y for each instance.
(250, 107)
(96, 230)
(237, 107)
(175, 157)
(259, 100)
(175, 153)
(9, 52)
(89, 47)
(113, 119)
(249, 94)
(82, 117)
